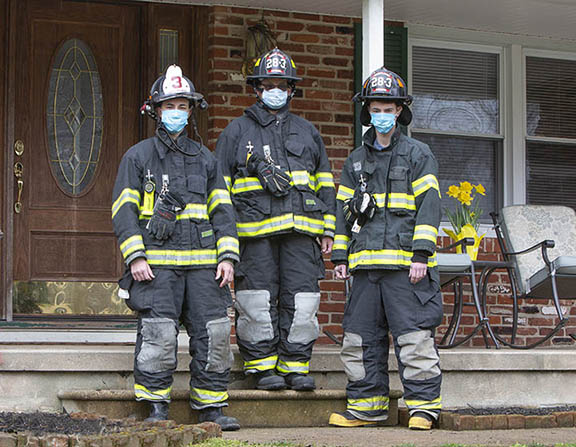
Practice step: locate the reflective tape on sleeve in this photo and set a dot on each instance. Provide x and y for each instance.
(126, 196)
(424, 183)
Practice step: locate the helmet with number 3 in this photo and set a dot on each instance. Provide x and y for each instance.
(384, 85)
(273, 64)
(172, 84)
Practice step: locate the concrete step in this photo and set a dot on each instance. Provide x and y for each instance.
(253, 408)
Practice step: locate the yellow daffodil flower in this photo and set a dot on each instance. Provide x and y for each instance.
(453, 191)
(465, 198)
(466, 186)
(480, 189)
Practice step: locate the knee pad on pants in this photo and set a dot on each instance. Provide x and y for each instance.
(159, 342)
(352, 355)
(418, 355)
(219, 354)
(304, 328)
(254, 323)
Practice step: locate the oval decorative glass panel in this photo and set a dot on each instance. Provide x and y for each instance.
(74, 117)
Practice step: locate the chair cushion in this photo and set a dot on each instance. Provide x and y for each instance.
(564, 265)
(526, 225)
(453, 262)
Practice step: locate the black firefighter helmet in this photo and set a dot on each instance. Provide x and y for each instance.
(273, 64)
(172, 84)
(384, 85)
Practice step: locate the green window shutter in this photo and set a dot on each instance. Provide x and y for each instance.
(395, 59)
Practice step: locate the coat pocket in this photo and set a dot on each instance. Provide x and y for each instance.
(206, 236)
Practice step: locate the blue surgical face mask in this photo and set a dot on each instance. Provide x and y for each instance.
(174, 120)
(383, 122)
(275, 98)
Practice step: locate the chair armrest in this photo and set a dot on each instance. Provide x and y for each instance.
(467, 241)
(547, 243)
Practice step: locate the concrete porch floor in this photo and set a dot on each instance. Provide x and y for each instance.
(33, 376)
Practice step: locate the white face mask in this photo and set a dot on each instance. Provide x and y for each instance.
(275, 99)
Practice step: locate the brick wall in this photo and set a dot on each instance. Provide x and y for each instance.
(323, 50)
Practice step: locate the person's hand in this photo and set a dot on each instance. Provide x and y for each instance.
(417, 271)
(225, 270)
(341, 271)
(141, 270)
(326, 245)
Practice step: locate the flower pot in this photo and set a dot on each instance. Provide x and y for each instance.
(467, 231)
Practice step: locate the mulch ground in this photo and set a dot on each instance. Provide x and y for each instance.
(40, 424)
(526, 411)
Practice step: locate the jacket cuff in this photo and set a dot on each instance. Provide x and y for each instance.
(420, 256)
(229, 256)
(329, 233)
(135, 255)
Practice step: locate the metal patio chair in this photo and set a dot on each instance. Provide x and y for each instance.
(454, 268)
(539, 242)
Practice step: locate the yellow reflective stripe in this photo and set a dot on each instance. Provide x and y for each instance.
(369, 404)
(228, 182)
(132, 244)
(193, 211)
(435, 404)
(246, 184)
(424, 183)
(228, 243)
(207, 396)
(293, 367)
(396, 200)
(302, 178)
(385, 257)
(307, 224)
(427, 232)
(341, 242)
(264, 364)
(217, 197)
(181, 257)
(324, 180)
(144, 393)
(126, 196)
(344, 193)
(258, 228)
(329, 222)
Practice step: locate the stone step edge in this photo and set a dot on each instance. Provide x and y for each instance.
(128, 395)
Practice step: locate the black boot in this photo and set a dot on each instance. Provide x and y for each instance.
(300, 382)
(270, 381)
(158, 412)
(214, 414)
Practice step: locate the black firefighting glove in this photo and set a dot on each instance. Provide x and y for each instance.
(361, 205)
(163, 220)
(273, 179)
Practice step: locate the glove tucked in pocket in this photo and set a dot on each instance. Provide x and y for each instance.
(163, 220)
(273, 178)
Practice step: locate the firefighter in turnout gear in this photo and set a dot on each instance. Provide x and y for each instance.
(386, 228)
(283, 192)
(174, 221)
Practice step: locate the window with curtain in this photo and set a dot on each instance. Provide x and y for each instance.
(457, 113)
(550, 131)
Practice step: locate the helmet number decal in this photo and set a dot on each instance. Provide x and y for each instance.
(276, 64)
(176, 82)
(382, 82)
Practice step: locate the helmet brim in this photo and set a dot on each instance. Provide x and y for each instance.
(253, 79)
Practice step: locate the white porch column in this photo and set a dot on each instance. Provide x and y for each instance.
(372, 36)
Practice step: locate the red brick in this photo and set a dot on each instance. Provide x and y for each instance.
(337, 61)
(320, 49)
(226, 41)
(292, 47)
(320, 29)
(289, 26)
(320, 73)
(318, 117)
(333, 84)
(464, 422)
(245, 11)
(336, 19)
(343, 51)
(220, 30)
(230, 20)
(302, 16)
(312, 60)
(516, 421)
(270, 12)
(233, 65)
(306, 38)
(335, 130)
(317, 94)
(242, 101)
(500, 422)
(483, 423)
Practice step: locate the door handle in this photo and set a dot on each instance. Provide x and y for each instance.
(19, 174)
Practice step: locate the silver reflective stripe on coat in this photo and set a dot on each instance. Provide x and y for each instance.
(418, 355)
(254, 323)
(352, 355)
(305, 327)
(159, 343)
(219, 353)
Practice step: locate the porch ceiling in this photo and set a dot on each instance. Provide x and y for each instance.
(540, 18)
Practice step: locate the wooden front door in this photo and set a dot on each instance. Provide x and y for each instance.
(77, 92)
